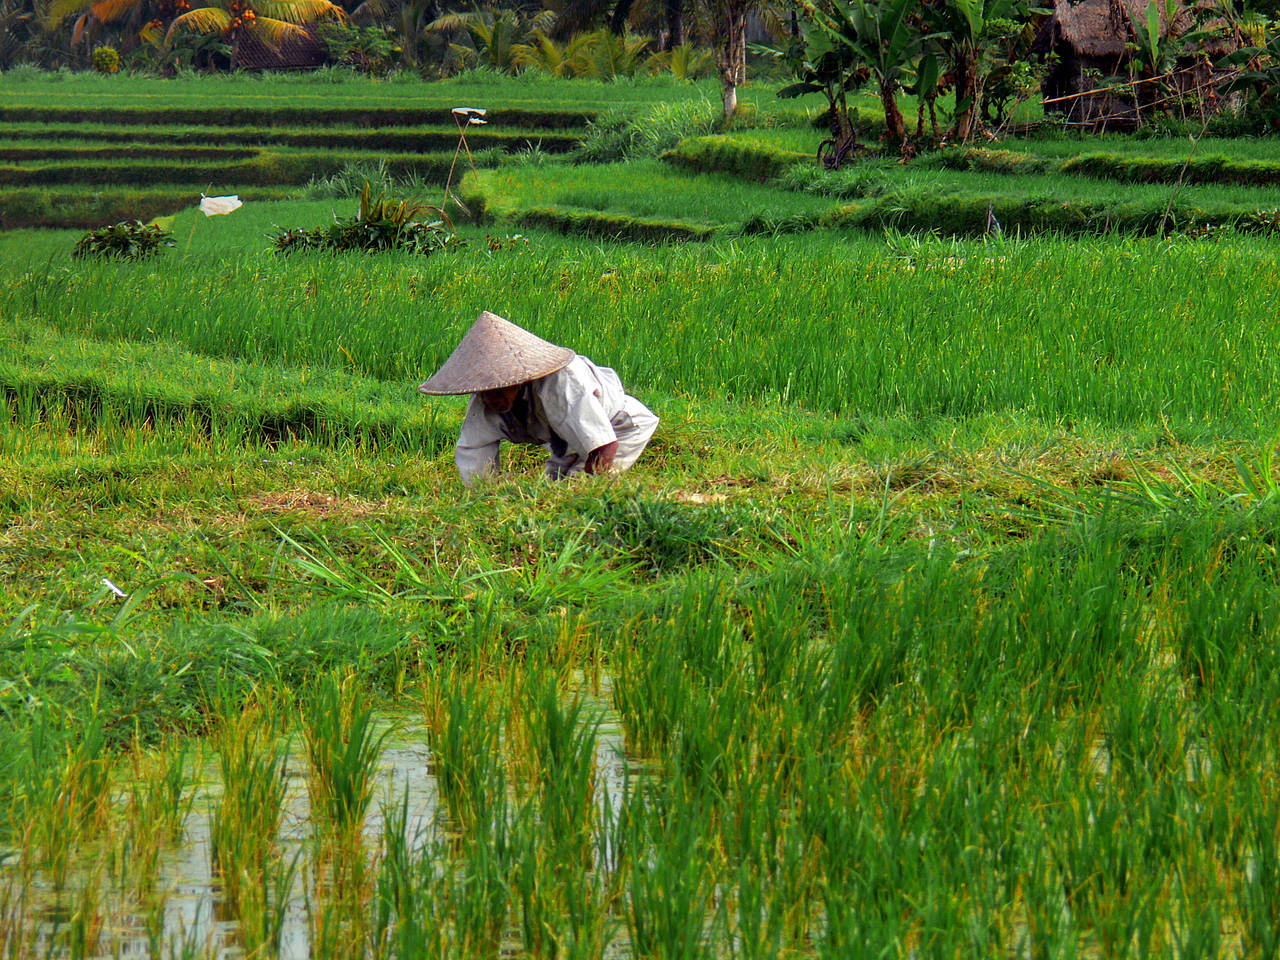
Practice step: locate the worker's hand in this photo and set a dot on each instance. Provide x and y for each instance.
(600, 459)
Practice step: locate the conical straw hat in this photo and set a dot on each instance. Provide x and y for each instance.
(496, 353)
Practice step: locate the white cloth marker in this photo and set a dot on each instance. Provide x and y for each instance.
(213, 206)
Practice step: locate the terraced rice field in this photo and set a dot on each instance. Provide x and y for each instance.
(938, 620)
(110, 162)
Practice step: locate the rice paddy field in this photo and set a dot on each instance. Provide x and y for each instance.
(939, 619)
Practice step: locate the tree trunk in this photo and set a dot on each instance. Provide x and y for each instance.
(675, 24)
(894, 127)
(731, 49)
(730, 99)
(966, 89)
(618, 19)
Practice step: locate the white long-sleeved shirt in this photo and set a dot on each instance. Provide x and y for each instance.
(579, 408)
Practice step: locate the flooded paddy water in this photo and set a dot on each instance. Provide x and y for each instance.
(183, 911)
(1030, 781)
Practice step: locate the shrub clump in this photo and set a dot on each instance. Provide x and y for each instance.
(126, 240)
(621, 135)
(106, 60)
(381, 223)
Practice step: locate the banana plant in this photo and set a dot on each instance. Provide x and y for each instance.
(823, 66)
(959, 29)
(1256, 72)
(879, 35)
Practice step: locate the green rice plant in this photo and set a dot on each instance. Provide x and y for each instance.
(263, 907)
(63, 798)
(562, 741)
(624, 135)
(667, 914)
(563, 570)
(244, 828)
(751, 161)
(712, 751)
(157, 807)
(1258, 912)
(479, 894)
(343, 749)
(407, 916)
(464, 733)
(649, 693)
(350, 180)
(412, 580)
(563, 911)
(664, 535)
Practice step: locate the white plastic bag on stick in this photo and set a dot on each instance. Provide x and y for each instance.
(212, 206)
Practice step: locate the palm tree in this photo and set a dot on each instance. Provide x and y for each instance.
(495, 37)
(409, 18)
(728, 21)
(270, 22)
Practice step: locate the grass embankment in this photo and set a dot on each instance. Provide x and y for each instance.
(957, 191)
(320, 90)
(369, 139)
(1204, 168)
(728, 187)
(641, 200)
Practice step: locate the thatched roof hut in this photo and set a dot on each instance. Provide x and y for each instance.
(1096, 36)
(298, 52)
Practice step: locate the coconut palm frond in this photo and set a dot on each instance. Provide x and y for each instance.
(201, 20)
(372, 11)
(81, 26)
(775, 21)
(298, 11)
(59, 10)
(151, 34)
(274, 32)
(452, 22)
(541, 22)
(109, 11)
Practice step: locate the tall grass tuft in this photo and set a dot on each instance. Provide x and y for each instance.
(244, 831)
(343, 748)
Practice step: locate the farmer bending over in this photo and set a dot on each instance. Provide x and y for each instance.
(526, 390)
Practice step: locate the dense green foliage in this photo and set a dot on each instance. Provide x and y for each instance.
(381, 223)
(127, 240)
